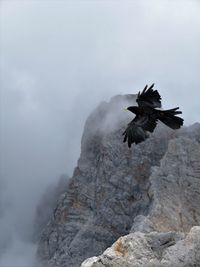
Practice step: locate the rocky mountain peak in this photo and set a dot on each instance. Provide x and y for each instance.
(115, 190)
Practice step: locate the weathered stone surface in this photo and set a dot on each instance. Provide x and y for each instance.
(47, 204)
(155, 249)
(111, 188)
(142, 224)
(185, 253)
(175, 190)
(175, 187)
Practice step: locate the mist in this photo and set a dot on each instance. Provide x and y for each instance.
(58, 61)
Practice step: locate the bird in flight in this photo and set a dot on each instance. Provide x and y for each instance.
(148, 113)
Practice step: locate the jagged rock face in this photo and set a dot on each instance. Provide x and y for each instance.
(109, 189)
(47, 204)
(175, 187)
(155, 249)
(175, 190)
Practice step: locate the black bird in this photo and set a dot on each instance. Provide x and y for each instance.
(147, 116)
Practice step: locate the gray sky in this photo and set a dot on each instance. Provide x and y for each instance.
(59, 59)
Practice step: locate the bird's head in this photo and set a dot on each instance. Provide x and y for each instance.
(133, 109)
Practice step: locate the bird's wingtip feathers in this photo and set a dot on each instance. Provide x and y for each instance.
(151, 86)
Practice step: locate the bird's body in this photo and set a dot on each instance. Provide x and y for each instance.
(148, 113)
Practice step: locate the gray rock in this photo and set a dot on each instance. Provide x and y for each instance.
(185, 253)
(175, 187)
(110, 187)
(155, 249)
(47, 204)
(142, 224)
(175, 190)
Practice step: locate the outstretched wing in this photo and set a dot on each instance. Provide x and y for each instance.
(134, 134)
(136, 131)
(149, 97)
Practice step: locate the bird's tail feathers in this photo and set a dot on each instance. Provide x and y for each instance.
(169, 118)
